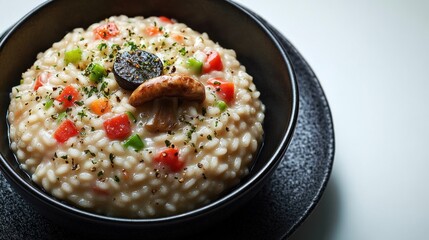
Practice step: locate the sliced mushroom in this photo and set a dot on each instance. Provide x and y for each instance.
(165, 92)
(180, 86)
(164, 115)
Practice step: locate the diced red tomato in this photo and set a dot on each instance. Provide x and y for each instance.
(153, 30)
(118, 127)
(165, 19)
(225, 90)
(169, 157)
(213, 62)
(106, 31)
(65, 131)
(41, 80)
(68, 96)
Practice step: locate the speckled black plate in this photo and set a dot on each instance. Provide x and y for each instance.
(281, 206)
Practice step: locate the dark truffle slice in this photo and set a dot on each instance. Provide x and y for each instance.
(133, 68)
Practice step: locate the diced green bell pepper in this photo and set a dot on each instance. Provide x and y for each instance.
(221, 105)
(131, 116)
(194, 65)
(96, 72)
(135, 142)
(73, 56)
(49, 103)
(61, 116)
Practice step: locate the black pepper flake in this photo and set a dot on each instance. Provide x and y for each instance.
(111, 158)
(75, 166)
(87, 151)
(116, 178)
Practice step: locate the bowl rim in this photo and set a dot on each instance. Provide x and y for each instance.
(238, 192)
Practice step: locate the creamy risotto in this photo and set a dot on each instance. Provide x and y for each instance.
(175, 143)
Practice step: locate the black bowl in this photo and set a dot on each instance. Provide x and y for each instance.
(225, 22)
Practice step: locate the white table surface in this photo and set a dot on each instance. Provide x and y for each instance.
(371, 57)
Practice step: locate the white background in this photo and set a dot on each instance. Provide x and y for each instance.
(372, 59)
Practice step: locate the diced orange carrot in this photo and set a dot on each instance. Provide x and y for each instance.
(178, 37)
(152, 30)
(100, 106)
